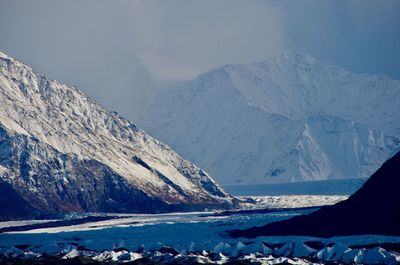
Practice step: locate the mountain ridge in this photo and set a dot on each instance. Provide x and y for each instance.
(66, 134)
(295, 64)
(238, 111)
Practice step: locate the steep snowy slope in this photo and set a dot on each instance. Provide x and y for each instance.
(61, 151)
(290, 118)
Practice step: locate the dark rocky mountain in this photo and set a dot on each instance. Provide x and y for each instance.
(62, 152)
(373, 209)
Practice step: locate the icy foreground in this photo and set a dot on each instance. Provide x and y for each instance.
(189, 238)
(289, 118)
(60, 151)
(241, 253)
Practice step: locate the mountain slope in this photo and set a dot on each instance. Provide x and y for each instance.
(297, 85)
(373, 209)
(290, 118)
(61, 151)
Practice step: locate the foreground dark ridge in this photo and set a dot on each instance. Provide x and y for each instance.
(373, 209)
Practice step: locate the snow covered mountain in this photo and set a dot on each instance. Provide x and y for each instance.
(290, 118)
(61, 151)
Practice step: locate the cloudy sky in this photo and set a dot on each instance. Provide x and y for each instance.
(85, 42)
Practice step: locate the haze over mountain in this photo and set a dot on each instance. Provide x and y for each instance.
(127, 86)
(60, 151)
(289, 118)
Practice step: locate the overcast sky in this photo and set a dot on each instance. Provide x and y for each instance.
(79, 41)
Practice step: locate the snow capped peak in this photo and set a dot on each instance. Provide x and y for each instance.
(284, 119)
(67, 137)
(296, 85)
(294, 57)
(4, 56)
(288, 57)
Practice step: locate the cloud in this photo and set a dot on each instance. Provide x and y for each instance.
(93, 43)
(360, 35)
(175, 39)
(199, 35)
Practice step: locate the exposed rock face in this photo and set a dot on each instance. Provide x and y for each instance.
(373, 209)
(61, 151)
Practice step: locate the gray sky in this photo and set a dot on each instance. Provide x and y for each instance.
(86, 42)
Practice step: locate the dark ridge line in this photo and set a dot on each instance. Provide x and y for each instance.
(266, 210)
(58, 223)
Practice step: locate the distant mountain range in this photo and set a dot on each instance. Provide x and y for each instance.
(290, 118)
(61, 152)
